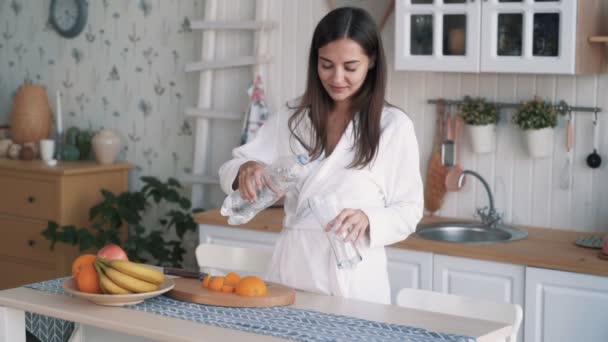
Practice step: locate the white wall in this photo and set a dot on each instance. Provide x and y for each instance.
(526, 190)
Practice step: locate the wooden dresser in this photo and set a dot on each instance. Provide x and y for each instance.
(31, 194)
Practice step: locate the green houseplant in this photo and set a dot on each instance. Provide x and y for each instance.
(128, 210)
(480, 118)
(537, 118)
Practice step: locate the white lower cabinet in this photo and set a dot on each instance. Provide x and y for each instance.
(559, 306)
(236, 237)
(486, 280)
(411, 269)
(565, 306)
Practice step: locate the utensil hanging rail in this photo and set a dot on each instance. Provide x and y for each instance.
(562, 106)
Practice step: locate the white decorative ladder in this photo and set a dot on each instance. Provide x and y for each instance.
(201, 176)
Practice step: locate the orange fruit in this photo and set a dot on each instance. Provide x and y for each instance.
(206, 280)
(227, 288)
(231, 279)
(216, 284)
(87, 279)
(79, 262)
(251, 286)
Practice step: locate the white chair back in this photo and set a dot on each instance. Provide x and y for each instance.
(212, 256)
(462, 306)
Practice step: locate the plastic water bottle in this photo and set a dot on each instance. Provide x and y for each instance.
(282, 174)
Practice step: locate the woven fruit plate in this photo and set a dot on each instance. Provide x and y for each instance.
(592, 241)
(69, 285)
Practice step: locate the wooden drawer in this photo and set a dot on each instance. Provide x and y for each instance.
(22, 239)
(29, 198)
(19, 272)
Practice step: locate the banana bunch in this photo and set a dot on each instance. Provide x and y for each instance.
(125, 277)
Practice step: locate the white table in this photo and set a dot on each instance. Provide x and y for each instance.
(100, 323)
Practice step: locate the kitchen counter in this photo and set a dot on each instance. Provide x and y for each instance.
(544, 247)
(104, 323)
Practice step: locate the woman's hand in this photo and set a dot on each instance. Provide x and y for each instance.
(353, 221)
(250, 180)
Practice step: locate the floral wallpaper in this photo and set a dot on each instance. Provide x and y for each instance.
(124, 71)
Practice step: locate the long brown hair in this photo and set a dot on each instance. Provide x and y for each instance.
(358, 25)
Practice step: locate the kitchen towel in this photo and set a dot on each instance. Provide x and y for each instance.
(282, 321)
(257, 113)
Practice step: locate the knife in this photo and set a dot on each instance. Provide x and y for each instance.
(184, 273)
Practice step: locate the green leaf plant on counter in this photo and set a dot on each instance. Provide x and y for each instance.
(127, 209)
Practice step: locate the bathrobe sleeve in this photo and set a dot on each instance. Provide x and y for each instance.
(262, 149)
(398, 159)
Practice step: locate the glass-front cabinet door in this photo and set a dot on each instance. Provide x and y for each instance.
(528, 36)
(437, 35)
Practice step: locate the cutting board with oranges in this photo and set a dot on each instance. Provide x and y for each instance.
(192, 290)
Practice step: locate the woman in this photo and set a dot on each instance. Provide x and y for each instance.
(362, 150)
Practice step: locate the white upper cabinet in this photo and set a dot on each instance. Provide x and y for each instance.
(528, 36)
(438, 35)
(511, 36)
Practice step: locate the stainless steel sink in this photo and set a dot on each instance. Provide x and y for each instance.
(469, 232)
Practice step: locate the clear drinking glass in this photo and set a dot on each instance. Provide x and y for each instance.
(325, 208)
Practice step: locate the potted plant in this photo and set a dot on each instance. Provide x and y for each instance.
(537, 118)
(480, 118)
(132, 210)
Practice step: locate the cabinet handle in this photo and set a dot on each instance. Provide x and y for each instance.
(31, 242)
(31, 199)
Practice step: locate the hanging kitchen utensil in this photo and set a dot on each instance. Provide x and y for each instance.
(447, 146)
(451, 179)
(594, 160)
(436, 172)
(565, 174)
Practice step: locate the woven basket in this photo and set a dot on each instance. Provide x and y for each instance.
(30, 115)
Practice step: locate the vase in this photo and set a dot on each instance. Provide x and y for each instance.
(539, 142)
(30, 118)
(106, 145)
(482, 137)
(456, 41)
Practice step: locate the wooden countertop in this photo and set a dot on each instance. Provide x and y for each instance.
(546, 248)
(62, 167)
(164, 328)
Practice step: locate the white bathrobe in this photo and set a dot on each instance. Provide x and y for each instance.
(388, 191)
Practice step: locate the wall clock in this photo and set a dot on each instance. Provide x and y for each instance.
(68, 17)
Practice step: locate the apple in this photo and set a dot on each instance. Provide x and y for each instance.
(112, 252)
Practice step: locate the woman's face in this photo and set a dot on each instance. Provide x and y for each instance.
(342, 67)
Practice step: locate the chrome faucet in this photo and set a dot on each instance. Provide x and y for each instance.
(488, 216)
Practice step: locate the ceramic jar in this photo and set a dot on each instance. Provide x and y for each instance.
(482, 137)
(106, 145)
(30, 118)
(4, 145)
(539, 142)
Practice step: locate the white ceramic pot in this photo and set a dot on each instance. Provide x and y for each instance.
(106, 145)
(539, 142)
(482, 137)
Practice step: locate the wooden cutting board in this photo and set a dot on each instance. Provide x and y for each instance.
(434, 190)
(191, 290)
